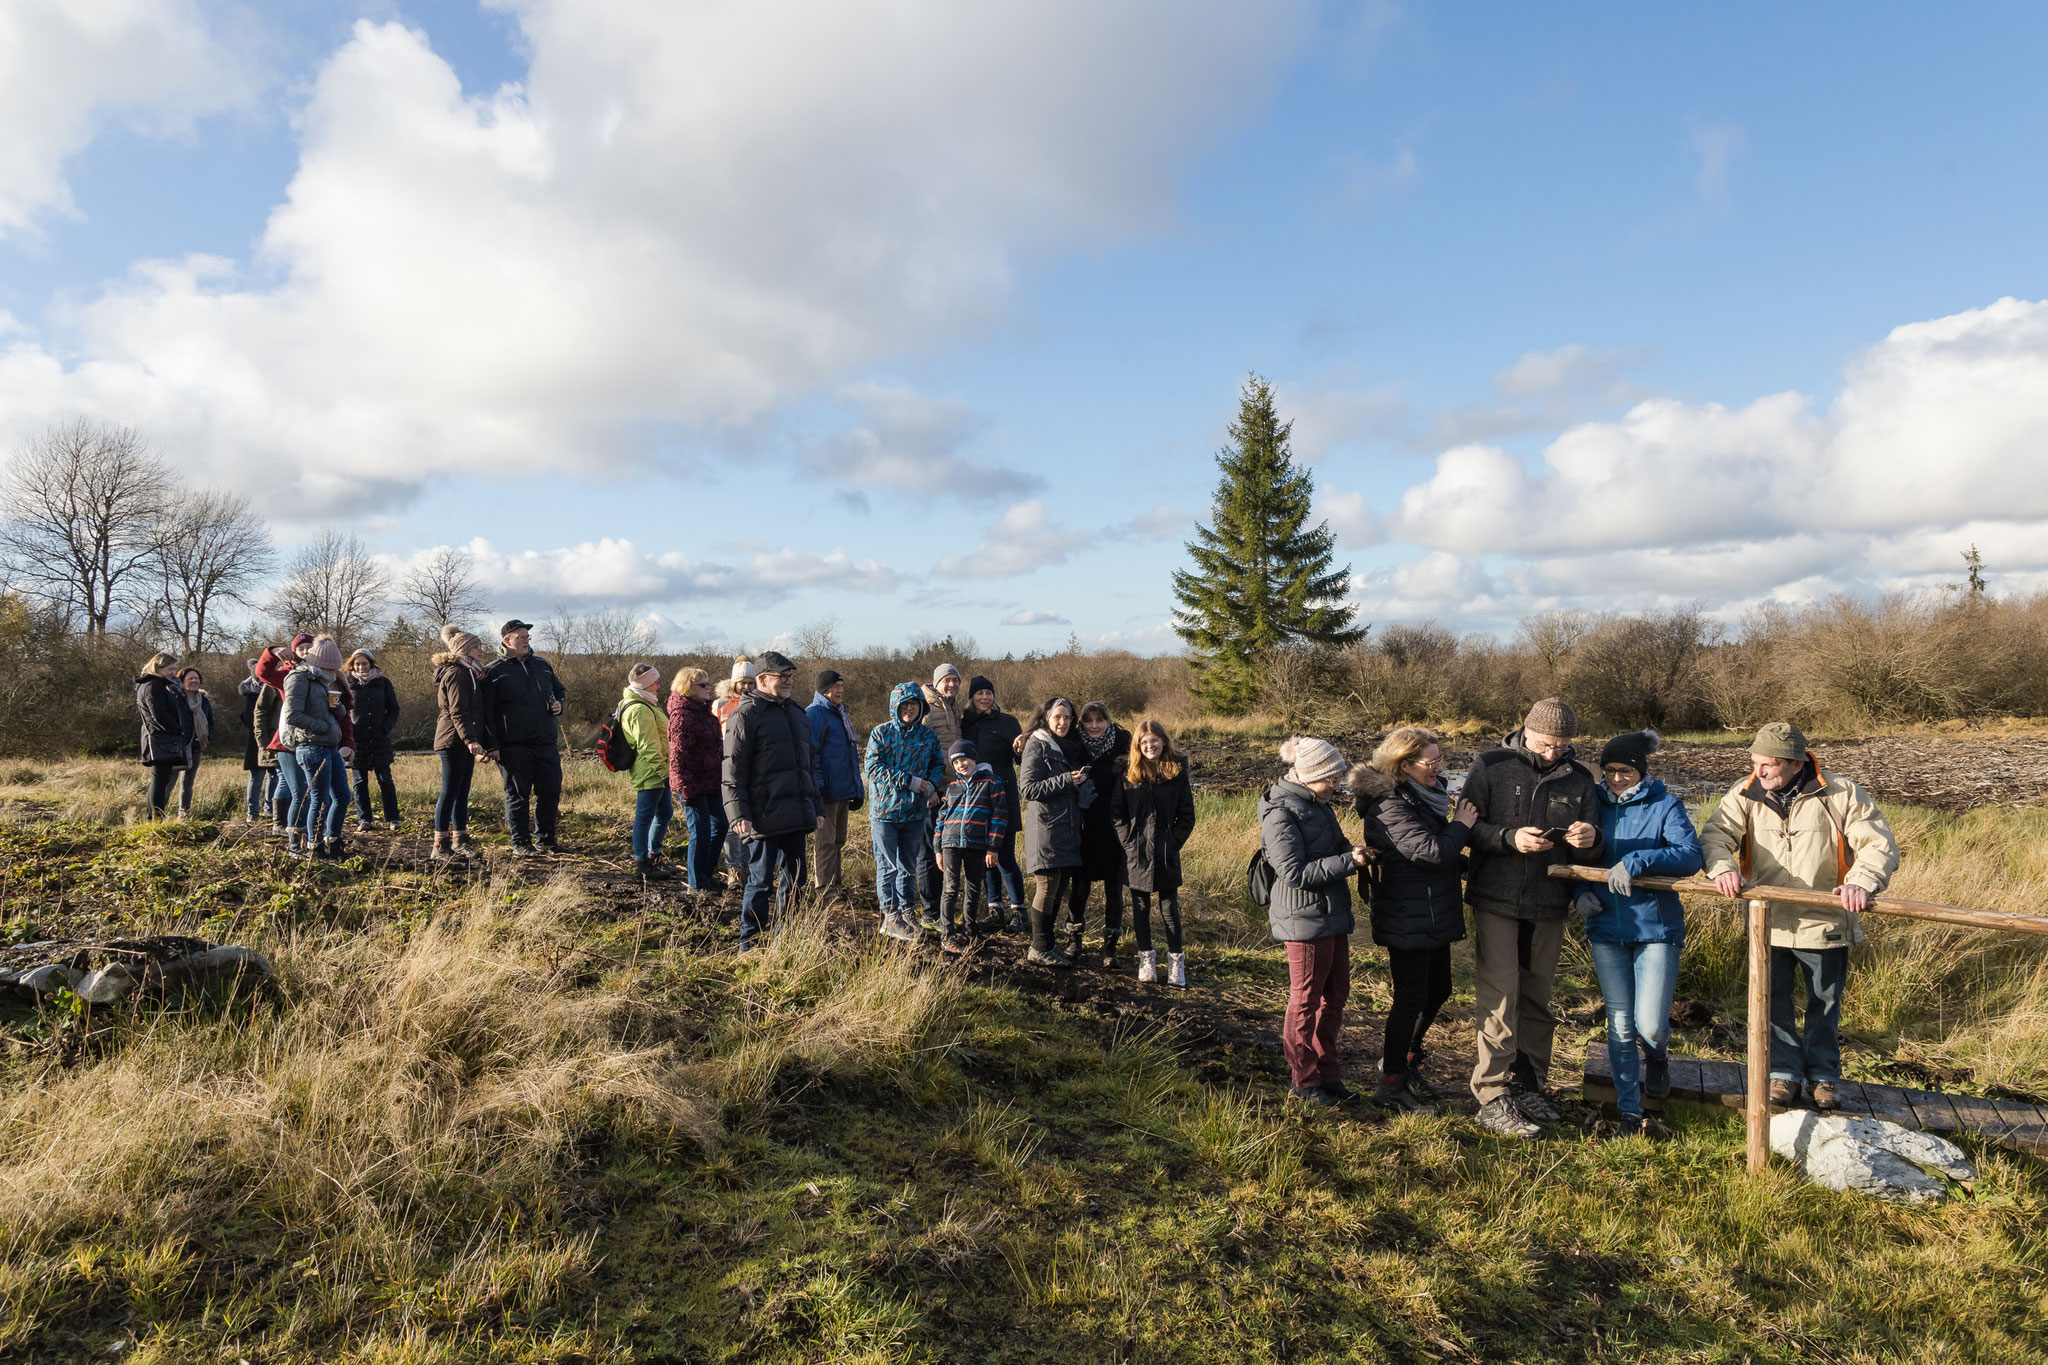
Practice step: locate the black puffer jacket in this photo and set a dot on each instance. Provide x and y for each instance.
(252, 754)
(767, 776)
(1102, 854)
(1513, 789)
(993, 735)
(1052, 839)
(516, 691)
(166, 720)
(1311, 861)
(1415, 882)
(1153, 820)
(375, 713)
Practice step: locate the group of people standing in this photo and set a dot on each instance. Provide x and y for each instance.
(1524, 807)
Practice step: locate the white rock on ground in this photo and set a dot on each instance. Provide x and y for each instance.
(1868, 1156)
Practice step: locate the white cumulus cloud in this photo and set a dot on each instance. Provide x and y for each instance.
(1024, 538)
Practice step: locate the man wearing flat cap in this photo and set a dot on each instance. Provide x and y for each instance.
(522, 702)
(1791, 824)
(771, 792)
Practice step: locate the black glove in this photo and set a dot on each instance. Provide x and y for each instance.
(855, 804)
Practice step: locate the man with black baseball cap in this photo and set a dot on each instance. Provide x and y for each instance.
(771, 791)
(522, 699)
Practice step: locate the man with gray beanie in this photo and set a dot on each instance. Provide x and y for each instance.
(1791, 824)
(771, 791)
(1531, 804)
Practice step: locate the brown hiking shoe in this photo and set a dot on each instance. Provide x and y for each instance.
(1784, 1094)
(1824, 1096)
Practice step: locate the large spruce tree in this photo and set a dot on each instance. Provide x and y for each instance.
(1261, 575)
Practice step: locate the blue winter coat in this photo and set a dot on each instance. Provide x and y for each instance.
(896, 754)
(1651, 835)
(834, 758)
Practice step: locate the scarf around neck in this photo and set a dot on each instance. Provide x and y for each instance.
(1096, 748)
(1437, 798)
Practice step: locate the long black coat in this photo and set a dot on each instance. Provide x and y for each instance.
(767, 775)
(375, 714)
(1102, 853)
(251, 753)
(1513, 791)
(516, 691)
(1052, 839)
(1415, 883)
(992, 734)
(1153, 820)
(166, 720)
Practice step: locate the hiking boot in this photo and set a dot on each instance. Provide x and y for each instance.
(525, 851)
(446, 852)
(362, 826)
(1535, 1106)
(953, 943)
(393, 826)
(1417, 1088)
(465, 844)
(650, 871)
(294, 842)
(1642, 1126)
(1148, 965)
(1391, 1094)
(1501, 1118)
(1339, 1092)
(546, 843)
(930, 922)
(1017, 923)
(896, 927)
(991, 923)
(335, 848)
(1784, 1094)
(1109, 957)
(1177, 970)
(1313, 1094)
(1657, 1075)
(1049, 957)
(1824, 1096)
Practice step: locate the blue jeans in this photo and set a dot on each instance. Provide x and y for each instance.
(1637, 980)
(451, 807)
(1006, 876)
(260, 782)
(325, 800)
(704, 819)
(775, 868)
(293, 781)
(652, 810)
(899, 853)
(1817, 1055)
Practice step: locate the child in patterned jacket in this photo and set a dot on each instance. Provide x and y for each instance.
(971, 826)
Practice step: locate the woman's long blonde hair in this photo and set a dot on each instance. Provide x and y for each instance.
(1164, 768)
(158, 662)
(1404, 745)
(687, 677)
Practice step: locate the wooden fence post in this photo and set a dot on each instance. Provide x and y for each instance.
(1756, 1106)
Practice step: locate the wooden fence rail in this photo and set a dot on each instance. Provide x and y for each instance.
(1756, 1109)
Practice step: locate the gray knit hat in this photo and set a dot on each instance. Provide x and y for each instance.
(1780, 739)
(1313, 759)
(1552, 717)
(939, 673)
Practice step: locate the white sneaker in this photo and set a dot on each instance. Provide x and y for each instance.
(1148, 965)
(1177, 969)
(894, 926)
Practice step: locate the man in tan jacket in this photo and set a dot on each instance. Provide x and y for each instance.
(941, 717)
(1791, 824)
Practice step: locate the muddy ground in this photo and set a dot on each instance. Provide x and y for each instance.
(1942, 772)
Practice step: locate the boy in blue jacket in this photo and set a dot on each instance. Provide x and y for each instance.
(903, 773)
(972, 824)
(1636, 934)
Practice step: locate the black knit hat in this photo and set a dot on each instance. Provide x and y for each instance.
(1633, 749)
(977, 683)
(962, 749)
(826, 677)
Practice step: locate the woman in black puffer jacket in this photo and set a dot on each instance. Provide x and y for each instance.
(166, 728)
(373, 710)
(1106, 749)
(1415, 886)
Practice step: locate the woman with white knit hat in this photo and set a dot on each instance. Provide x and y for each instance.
(1310, 911)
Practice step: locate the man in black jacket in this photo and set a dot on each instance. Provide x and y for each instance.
(771, 790)
(1533, 805)
(522, 699)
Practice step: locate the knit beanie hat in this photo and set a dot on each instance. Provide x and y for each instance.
(977, 683)
(1552, 717)
(301, 642)
(458, 640)
(941, 671)
(1313, 759)
(962, 749)
(742, 668)
(636, 670)
(1780, 739)
(774, 662)
(1633, 749)
(363, 654)
(826, 677)
(324, 654)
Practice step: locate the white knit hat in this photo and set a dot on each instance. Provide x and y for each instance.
(742, 667)
(1313, 759)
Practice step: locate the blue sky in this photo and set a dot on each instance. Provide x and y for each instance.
(929, 318)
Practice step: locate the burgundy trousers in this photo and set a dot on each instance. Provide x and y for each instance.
(1318, 983)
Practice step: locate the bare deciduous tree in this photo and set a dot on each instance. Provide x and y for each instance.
(443, 587)
(82, 503)
(333, 587)
(817, 639)
(1553, 635)
(211, 549)
(614, 634)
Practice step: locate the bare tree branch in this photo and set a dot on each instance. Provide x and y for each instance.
(211, 549)
(82, 503)
(443, 587)
(334, 587)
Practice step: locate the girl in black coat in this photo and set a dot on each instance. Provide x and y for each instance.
(1417, 906)
(166, 728)
(373, 710)
(1153, 810)
(1106, 749)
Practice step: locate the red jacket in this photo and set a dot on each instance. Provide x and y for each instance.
(696, 748)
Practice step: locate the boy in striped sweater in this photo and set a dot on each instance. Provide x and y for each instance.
(971, 826)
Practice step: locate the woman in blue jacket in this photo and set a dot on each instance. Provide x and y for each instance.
(1636, 934)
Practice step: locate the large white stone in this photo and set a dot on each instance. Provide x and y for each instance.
(1868, 1156)
(106, 985)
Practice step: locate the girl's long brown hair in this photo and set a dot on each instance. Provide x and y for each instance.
(1164, 768)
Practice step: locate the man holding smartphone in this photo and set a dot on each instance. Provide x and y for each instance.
(1531, 804)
